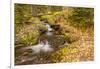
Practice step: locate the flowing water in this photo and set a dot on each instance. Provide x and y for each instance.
(41, 47)
(49, 32)
(36, 54)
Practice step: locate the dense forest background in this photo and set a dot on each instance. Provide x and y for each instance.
(76, 25)
(83, 17)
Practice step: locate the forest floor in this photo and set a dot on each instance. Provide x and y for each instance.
(80, 50)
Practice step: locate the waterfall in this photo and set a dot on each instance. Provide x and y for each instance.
(43, 44)
(49, 29)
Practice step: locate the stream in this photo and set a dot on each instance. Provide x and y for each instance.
(36, 54)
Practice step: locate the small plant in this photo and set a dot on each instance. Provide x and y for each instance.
(59, 55)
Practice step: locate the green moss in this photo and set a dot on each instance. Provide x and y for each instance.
(50, 19)
(58, 13)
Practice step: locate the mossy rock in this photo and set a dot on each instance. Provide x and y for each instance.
(56, 40)
(70, 37)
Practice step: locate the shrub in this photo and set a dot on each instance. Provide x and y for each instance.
(82, 17)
